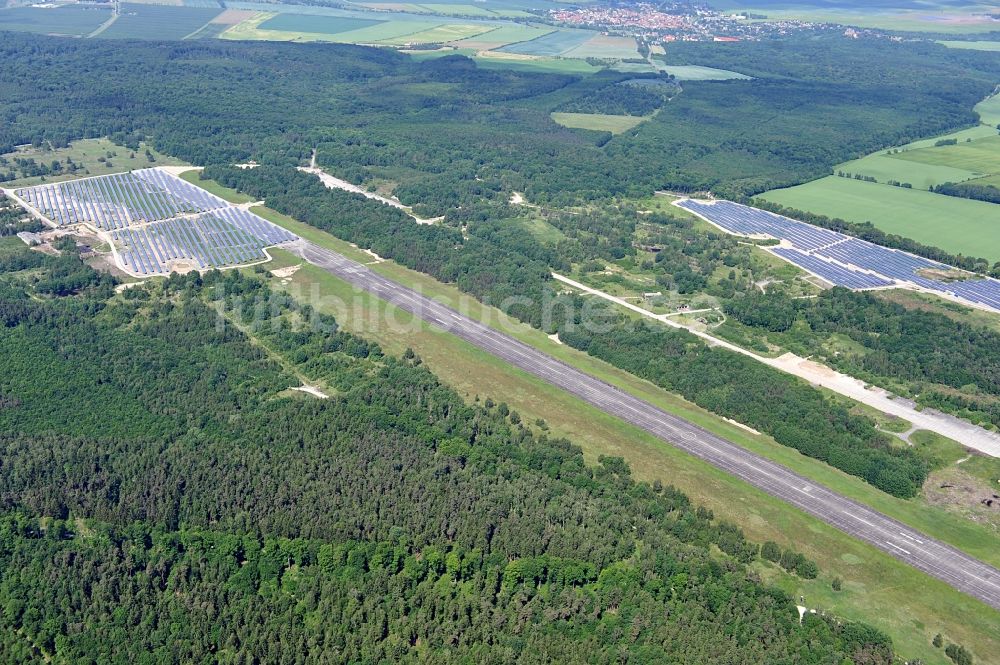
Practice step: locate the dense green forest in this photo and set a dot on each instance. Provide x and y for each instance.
(165, 498)
(448, 133)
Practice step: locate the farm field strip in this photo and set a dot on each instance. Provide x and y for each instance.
(599, 122)
(157, 222)
(553, 43)
(503, 35)
(75, 21)
(840, 259)
(700, 73)
(605, 46)
(438, 34)
(327, 25)
(141, 21)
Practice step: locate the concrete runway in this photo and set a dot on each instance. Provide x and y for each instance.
(935, 558)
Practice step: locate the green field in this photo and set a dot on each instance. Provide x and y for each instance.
(385, 31)
(616, 124)
(981, 156)
(699, 73)
(329, 25)
(503, 35)
(556, 65)
(989, 111)
(86, 153)
(903, 168)
(437, 35)
(457, 10)
(75, 21)
(137, 21)
(378, 32)
(957, 225)
(974, 45)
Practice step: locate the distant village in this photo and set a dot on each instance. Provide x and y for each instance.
(682, 21)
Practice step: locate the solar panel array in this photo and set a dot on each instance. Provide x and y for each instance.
(226, 237)
(841, 259)
(121, 200)
(157, 219)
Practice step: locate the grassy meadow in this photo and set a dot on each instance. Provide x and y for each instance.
(599, 122)
(88, 153)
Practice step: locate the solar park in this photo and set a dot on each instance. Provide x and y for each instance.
(840, 259)
(155, 220)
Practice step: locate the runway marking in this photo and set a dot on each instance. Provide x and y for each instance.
(898, 547)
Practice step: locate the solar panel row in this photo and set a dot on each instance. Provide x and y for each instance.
(842, 259)
(832, 272)
(158, 219)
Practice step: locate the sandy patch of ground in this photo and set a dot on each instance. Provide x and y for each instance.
(181, 266)
(555, 338)
(958, 492)
(286, 272)
(741, 425)
(126, 286)
(311, 390)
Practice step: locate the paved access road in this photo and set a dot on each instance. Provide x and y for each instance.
(937, 559)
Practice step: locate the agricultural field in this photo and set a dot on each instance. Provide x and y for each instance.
(961, 226)
(699, 73)
(989, 111)
(605, 47)
(74, 20)
(437, 35)
(598, 122)
(80, 158)
(455, 10)
(158, 22)
(554, 43)
(501, 60)
(503, 35)
(329, 25)
(372, 33)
